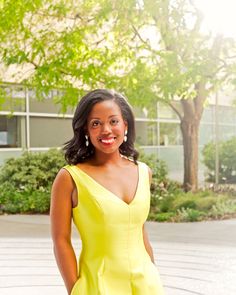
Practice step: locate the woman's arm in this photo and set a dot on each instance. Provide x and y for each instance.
(145, 235)
(148, 245)
(60, 215)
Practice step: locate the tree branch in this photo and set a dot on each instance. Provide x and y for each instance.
(175, 110)
(148, 46)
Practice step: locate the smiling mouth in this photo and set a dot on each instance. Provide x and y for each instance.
(107, 140)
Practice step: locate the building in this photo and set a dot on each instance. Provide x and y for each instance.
(36, 125)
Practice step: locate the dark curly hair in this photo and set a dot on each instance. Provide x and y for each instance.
(75, 149)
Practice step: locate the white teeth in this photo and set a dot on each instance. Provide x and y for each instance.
(107, 140)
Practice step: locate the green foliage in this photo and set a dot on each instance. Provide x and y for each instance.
(223, 209)
(32, 171)
(179, 206)
(162, 188)
(25, 182)
(157, 166)
(80, 45)
(57, 45)
(227, 161)
(173, 65)
(15, 200)
(188, 214)
(162, 217)
(25, 185)
(202, 200)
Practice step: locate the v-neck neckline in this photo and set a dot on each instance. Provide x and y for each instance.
(113, 194)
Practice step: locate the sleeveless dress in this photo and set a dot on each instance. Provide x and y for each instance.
(113, 259)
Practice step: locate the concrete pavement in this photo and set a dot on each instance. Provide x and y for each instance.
(192, 258)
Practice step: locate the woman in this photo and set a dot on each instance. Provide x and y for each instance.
(106, 192)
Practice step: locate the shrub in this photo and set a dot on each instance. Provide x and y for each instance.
(158, 167)
(161, 217)
(188, 214)
(187, 207)
(25, 182)
(25, 185)
(32, 171)
(223, 208)
(163, 190)
(227, 161)
(18, 201)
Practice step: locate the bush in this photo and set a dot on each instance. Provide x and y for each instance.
(187, 207)
(188, 214)
(32, 171)
(163, 190)
(227, 161)
(25, 185)
(223, 209)
(161, 217)
(158, 167)
(25, 182)
(18, 201)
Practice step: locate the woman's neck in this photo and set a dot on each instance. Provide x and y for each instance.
(101, 159)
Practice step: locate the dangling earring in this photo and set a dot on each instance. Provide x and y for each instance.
(125, 137)
(87, 141)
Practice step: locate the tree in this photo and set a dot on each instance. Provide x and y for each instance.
(79, 45)
(55, 44)
(178, 65)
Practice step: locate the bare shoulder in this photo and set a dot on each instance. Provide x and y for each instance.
(61, 204)
(63, 180)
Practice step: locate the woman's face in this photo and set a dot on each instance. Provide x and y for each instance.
(106, 127)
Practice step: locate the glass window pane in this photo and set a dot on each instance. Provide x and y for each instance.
(206, 133)
(170, 134)
(146, 133)
(46, 103)
(226, 132)
(208, 114)
(12, 132)
(227, 115)
(49, 132)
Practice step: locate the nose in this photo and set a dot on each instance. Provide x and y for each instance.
(106, 128)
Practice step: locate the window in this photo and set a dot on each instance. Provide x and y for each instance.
(12, 132)
(46, 103)
(170, 134)
(146, 133)
(49, 132)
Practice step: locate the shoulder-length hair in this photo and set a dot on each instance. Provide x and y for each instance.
(75, 149)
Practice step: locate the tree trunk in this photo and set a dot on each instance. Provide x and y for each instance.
(190, 115)
(189, 130)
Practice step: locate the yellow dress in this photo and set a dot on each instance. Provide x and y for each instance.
(113, 260)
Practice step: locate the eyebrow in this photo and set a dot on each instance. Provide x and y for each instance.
(108, 117)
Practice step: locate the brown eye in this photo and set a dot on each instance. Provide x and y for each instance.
(95, 124)
(114, 122)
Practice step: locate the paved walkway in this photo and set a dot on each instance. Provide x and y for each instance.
(193, 258)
